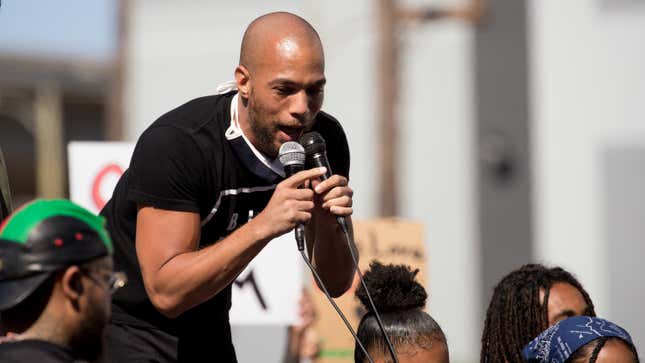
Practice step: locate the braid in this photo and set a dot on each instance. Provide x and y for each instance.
(516, 314)
(515, 300)
(596, 350)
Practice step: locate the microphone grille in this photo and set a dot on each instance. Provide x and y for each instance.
(291, 153)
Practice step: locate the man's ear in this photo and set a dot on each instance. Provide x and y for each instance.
(243, 80)
(72, 283)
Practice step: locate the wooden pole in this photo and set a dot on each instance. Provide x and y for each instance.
(387, 101)
(48, 132)
(389, 17)
(115, 103)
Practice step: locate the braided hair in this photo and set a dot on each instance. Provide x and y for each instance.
(516, 315)
(588, 353)
(400, 300)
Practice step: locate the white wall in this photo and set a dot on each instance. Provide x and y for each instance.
(438, 176)
(178, 52)
(588, 77)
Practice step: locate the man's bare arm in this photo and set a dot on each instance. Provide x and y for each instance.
(326, 242)
(178, 275)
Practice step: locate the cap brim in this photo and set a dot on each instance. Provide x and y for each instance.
(12, 292)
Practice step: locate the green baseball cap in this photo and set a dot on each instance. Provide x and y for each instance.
(43, 237)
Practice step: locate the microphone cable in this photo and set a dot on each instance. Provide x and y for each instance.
(292, 157)
(333, 303)
(343, 225)
(348, 239)
(316, 155)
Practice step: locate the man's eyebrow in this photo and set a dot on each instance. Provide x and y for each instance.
(319, 83)
(288, 82)
(282, 81)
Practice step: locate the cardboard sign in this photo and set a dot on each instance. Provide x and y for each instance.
(386, 240)
(266, 292)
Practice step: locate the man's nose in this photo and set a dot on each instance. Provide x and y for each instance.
(299, 104)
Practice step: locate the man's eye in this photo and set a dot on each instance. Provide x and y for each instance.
(284, 90)
(315, 91)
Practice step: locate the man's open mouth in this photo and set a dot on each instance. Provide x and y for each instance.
(293, 133)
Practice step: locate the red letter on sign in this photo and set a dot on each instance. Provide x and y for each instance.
(99, 202)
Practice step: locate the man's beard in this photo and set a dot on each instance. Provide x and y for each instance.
(264, 129)
(263, 133)
(89, 340)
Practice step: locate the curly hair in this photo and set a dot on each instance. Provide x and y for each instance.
(399, 300)
(516, 315)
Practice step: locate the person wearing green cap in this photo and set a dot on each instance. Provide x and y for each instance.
(56, 279)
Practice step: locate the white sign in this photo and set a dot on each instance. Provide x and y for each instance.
(266, 292)
(269, 288)
(94, 170)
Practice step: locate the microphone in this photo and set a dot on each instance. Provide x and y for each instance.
(292, 157)
(316, 151)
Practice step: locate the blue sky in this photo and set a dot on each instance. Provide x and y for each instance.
(76, 29)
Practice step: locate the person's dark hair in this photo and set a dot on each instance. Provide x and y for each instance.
(516, 315)
(399, 300)
(592, 349)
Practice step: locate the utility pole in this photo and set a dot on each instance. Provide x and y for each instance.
(48, 136)
(115, 102)
(388, 59)
(390, 17)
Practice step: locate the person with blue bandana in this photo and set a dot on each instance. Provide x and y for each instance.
(582, 339)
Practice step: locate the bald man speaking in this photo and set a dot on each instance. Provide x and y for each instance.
(204, 193)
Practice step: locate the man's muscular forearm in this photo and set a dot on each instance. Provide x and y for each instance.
(328, 248)
(189, 278)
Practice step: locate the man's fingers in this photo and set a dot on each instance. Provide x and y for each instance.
(302, 217)
(341, 211)
(301, 194)
(337, 193)
(299, 178)
(344, 201)
(295, 194)
(304, 205)
(334, 181)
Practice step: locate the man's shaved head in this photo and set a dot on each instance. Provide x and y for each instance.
(273, 33)
(280, 80)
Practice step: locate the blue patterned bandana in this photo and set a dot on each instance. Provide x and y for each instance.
(560, 341)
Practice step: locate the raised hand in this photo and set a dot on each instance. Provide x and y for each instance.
(289, 205)
(334, 195)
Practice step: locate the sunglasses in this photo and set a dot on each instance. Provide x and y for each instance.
(114, 279)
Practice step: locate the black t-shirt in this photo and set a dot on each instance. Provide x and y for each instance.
(40, 351)
(185, 162)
